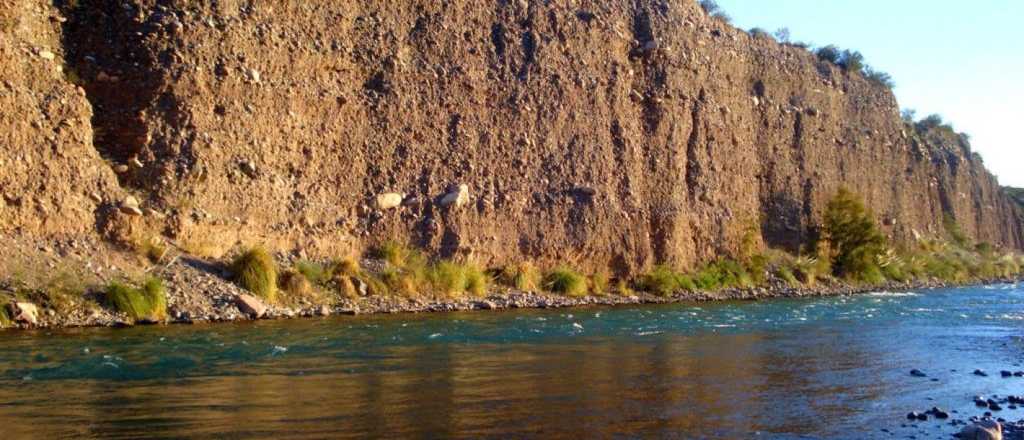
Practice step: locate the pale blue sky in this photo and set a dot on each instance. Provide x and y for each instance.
(962, 59)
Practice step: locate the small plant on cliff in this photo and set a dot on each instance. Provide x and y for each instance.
(955, 233)
(256, 272)
(783, 35)
(879, 77)
(856, 241)
(759, 33)
(566, 281)
(148, 301)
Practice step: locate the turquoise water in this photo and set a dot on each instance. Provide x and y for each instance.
(810, 368)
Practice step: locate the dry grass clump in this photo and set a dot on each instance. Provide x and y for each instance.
(255, 270)
(523, 276)
(295, 284)
(599, 282)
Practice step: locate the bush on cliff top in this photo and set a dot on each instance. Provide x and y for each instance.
(256, 272)
(146, 302)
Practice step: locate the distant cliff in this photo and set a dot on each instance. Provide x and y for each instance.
(612, 134)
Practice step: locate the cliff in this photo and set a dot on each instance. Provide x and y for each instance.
(612, 134)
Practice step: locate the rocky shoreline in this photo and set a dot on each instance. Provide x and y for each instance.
(199, 292)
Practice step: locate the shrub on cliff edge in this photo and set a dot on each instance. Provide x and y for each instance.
(256, 272)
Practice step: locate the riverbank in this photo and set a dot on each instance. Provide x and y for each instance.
(200, 291)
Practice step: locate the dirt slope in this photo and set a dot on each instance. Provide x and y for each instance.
(597, 133)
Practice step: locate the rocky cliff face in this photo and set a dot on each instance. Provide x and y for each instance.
(51, 178)
(600, 133)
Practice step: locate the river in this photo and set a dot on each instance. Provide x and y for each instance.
(808, 368)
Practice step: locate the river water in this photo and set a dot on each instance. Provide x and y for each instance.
(809, 368)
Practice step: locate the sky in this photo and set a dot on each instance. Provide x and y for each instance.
(962, 59)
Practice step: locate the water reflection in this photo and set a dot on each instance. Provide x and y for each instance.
(492, 375)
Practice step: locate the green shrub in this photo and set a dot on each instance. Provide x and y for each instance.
(314, 272)
(664, 281)
(566, 281)
(712, 8)
(786, 274)
(399, 255)
(851, 61)
(452, 279)
(879, 77)
(448, 278)
(401, 281)
(808, 270)
(757, 267)
(5, 318)
(146, 302)
(759, 33)
(953, 229)
(477, 281)
(599, 282)
(722, 274)
(622, 288)
(256, 272)
(854, 236)
(828, 53)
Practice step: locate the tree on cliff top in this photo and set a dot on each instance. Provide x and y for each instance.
(712, 8)
(854, 236)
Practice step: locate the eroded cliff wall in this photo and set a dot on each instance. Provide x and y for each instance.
(599, 133)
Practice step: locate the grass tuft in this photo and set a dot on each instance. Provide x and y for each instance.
(146, 302)
(296, 284)
(566, 281)
(348, 266)
(256, 272)
(314, 272)
(599, 282)
(664, 281)
(524, 276)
